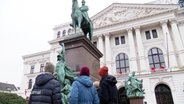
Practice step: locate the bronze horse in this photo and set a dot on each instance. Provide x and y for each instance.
(79, 20)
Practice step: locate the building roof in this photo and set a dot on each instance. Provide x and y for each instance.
(7, 87)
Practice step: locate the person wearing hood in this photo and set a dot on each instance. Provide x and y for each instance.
(108, 92)
(46, 89)
(83, 91)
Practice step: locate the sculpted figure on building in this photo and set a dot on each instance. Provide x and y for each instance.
(133, 86)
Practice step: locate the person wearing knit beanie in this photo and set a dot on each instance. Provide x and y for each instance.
(46, 88)
(84, 71)
(108, 91)
(103, 71)
(83, 91)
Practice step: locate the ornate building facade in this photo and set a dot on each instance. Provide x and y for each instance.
(145, 38)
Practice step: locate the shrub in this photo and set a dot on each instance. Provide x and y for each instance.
(10, 98)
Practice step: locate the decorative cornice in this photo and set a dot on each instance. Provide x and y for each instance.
(64, 25)
(129, 29)
(100, 36)
(43, 60)
(36, 54)
(107, 34)
(181, 22)
(33, 62)
(137, 27)
(163, 22)
(173, 20)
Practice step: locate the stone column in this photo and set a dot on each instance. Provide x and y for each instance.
(168, 46)
(108, 52)
(53, 56)
(101, 49)
(140, 47)
(177, 41)
(132, 57)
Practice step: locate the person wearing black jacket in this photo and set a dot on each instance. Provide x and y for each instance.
(108, 92)
(46, 89)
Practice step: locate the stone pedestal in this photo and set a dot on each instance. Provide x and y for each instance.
(136, 100)
(81, 52)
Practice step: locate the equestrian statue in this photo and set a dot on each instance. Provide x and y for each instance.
(181, 3)
(81, 19)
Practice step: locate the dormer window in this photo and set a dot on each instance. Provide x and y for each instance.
(8, 88)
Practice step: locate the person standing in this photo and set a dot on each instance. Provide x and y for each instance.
(83, 91)
(96, 84)
(46, 89)
(108, 92)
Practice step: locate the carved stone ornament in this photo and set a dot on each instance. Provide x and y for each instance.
(118, 14)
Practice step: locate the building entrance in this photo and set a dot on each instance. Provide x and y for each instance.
(163, 94)
(123, 97)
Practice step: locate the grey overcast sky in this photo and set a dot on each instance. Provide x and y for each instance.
(26, 27)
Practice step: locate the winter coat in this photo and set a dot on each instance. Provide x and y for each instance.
(46, 90)
(108, 92)
(83, 91)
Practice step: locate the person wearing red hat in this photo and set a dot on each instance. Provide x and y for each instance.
(83, 91)
(108, 92)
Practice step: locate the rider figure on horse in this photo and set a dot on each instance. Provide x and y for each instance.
(81, 20)
(84, 10)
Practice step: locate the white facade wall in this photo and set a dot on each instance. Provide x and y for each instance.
(29, 60)
(136, 47)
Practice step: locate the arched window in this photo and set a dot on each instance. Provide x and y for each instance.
(122, 63)
(163, 94)
(58, 34)
(156, 58)
(64, 32)
(69, 31)
(30, 84)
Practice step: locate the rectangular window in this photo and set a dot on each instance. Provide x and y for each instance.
(154, 33)
(41, 67)
(148, 36)
(122, 39)
(117, 40)
(32, 69)
(58, 34)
